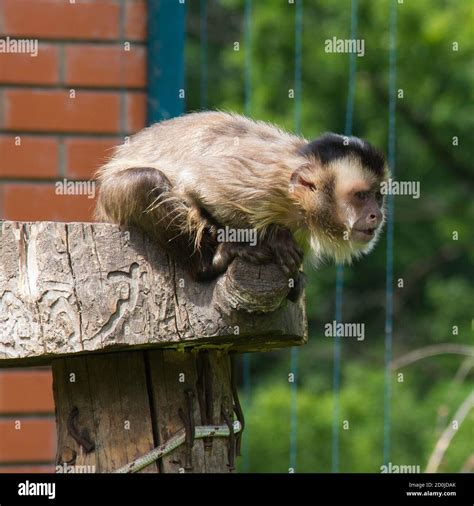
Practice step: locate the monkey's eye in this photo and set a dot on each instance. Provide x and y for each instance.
(362, 196)
(379, 198)
(308, 184)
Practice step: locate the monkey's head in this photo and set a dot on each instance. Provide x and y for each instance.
(337, 190)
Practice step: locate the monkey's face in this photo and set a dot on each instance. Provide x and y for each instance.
(366, 205)
(360, 204)
(344, 212)
(337, 190)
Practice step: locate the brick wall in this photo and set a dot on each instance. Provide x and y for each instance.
(60, 114)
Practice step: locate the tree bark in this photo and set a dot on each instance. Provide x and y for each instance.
(139, 351)
(69, 288)
(112, 409)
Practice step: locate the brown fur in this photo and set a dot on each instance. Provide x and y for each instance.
(182, 179)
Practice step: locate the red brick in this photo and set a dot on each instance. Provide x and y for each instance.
(26, 392)
(27, 469)
(34, 157)
(99, 65)
(39, 202)
(85, 155)
(35, 441)
(2, 192)
(136, 112)
(55, 111)
(2, 109)
(19, 68)
(135, 20)
(60, 19)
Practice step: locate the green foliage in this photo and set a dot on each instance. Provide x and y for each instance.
(434, 250)
(417, 423)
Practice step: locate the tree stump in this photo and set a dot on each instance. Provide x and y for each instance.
(138, 350)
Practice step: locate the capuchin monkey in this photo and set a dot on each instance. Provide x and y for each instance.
(183, 180)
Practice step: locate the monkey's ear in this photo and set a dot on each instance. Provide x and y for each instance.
(302, 177)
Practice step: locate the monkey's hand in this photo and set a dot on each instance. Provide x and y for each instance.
(279, 247)
(259, 254)
(285, 251)
(289, 256)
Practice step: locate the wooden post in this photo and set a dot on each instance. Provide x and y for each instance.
(138, 350)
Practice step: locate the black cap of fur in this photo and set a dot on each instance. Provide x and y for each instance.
(331, 147)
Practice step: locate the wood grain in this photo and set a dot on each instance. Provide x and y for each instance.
(138, 349)
(72, 288)
(110, 392)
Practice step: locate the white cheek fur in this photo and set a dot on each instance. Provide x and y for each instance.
(343, 252)
(351, 216)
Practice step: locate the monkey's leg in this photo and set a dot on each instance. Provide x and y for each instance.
(144, 197)
(285, 250)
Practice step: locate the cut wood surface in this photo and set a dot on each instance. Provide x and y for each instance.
(70, 288)
(122, 405)
(109, 394)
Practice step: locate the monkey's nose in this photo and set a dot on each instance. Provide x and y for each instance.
(375, 217)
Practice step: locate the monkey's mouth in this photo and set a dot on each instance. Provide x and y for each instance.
(363, 235)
